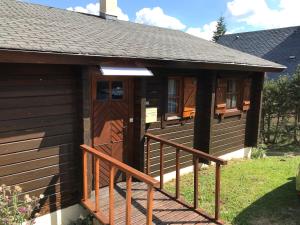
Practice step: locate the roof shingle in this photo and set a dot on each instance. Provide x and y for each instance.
(276, 45)
(39, 28)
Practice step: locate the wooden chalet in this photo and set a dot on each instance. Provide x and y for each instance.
(141, 101)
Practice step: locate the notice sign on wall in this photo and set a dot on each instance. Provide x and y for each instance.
(151, 115)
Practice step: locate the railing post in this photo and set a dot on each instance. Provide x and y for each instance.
(96, 184)
(84, 173)
(128, 198)
(196, 181)
(130, 172)
(217, 192)
(150, 204)
(148, 156)
(161, 179)
(111, 195)
(177, 191)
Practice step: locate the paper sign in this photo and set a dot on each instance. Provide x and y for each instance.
(151, 115)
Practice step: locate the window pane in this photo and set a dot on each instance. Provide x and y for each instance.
(233, 101)
(172, 106)
(102, 90)
(228, 102)
(117, 91)
(231, 86)
(172, 88)
(173, 96)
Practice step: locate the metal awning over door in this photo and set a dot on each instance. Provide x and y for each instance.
(125, 71)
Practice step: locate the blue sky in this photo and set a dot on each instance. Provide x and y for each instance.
(197, 17)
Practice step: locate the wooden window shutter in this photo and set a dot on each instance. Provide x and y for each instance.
(189, 97)
(221, 96)
(246, 94)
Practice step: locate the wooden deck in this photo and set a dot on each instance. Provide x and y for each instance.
(165, 210)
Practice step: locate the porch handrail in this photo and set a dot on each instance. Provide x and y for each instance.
(193, 151)
(129, 171)
(197, 154)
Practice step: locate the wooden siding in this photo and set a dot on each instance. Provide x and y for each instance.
(182, 133)
(207, 131)
(236, 132)
(228, 134)
(40, 132)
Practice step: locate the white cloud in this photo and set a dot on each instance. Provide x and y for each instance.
(121, 15)
(259, 13)
(90, 8)
(157, 17)
(94, 8)
(205, 32)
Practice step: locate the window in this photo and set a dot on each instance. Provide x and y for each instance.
(181, 98)
(102, 90)
(173, 96)
(117, 91)
(110, 90)
(231, 94)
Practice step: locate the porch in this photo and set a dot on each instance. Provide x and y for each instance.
(165, 209)
(142, 199)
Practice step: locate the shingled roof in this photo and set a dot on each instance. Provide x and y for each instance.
(279, 45)
(31, 27)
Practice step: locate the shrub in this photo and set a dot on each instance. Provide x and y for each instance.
(259, 152)
(14, 209)
(298, 180)
(88, 220)
(281, 110)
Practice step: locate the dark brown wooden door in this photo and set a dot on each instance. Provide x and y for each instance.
(111, 128)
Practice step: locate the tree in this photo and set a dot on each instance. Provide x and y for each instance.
(294, 94)
(281, 110)
(274, 108)
(221, 29)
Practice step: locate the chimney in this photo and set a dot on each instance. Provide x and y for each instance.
(108, 9)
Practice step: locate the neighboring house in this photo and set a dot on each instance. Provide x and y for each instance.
(278, 45)
(68, 78)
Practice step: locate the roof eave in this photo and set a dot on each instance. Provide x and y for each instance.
(36, 57)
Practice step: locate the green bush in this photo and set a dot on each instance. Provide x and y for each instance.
(281, 110)
(88, 220)
(259, 152)
(298, 180)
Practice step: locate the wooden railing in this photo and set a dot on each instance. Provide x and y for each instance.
(130, 172)
(196, 156)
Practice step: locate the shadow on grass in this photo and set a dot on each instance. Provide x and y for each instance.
(280, 206)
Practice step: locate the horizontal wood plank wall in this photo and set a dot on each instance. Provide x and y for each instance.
(40, 132)
(228, 134)
(182, 133)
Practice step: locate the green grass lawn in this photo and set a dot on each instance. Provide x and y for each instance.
(259, 191)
